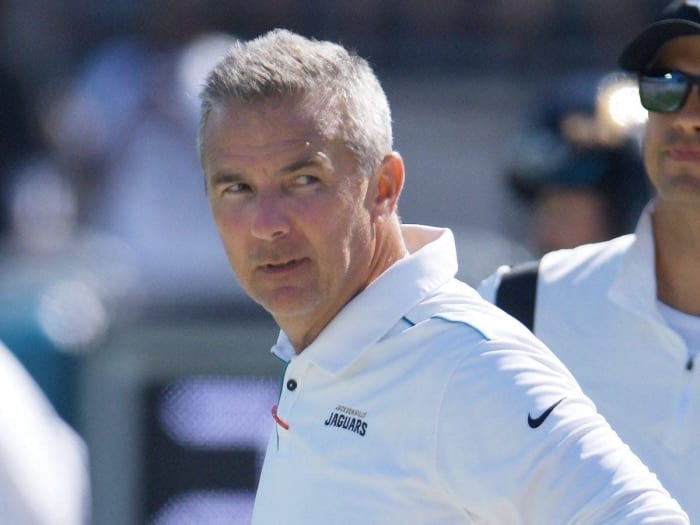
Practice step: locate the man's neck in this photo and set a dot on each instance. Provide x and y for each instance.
(389, 248)
(677, 253)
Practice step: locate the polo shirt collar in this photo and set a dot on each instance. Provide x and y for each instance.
(634, 286)
(431, 263)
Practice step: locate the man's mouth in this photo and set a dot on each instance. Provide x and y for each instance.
(685, 154)
(274, 268)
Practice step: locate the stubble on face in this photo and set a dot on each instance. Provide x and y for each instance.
(672, 160)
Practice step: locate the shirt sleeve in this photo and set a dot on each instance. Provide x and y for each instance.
(518, 442)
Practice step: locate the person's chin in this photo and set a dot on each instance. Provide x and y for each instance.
(289, 302)
(682, 188)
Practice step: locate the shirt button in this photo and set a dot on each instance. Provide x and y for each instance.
(292, 385)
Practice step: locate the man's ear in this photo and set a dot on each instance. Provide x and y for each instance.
(389, 178)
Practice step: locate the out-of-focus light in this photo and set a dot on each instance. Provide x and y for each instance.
(619, 112)
(72, 315)
(624, 107)
(219, 413)
(210, 507)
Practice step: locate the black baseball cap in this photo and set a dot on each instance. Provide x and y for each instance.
(679, 18)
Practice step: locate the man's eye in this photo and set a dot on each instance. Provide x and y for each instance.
(236, 188)
(306, 180)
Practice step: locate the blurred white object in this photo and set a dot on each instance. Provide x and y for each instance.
(619, 113)
(72, 315)
(44, 477)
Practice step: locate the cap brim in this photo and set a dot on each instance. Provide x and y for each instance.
(641, 51)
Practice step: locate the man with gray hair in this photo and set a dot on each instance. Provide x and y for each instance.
(405, 397)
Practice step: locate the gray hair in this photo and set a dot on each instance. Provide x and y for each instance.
(281, 64)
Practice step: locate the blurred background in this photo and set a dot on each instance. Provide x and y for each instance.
(516, 129)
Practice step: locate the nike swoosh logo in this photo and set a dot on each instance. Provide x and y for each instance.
(537, 421)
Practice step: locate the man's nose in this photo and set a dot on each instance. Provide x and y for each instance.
(689, 115)
(270, 220)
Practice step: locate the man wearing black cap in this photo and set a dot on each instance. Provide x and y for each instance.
(624, 315)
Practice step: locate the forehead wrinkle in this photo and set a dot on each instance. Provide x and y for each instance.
(257, 134)
(252, 152)
(234, 166)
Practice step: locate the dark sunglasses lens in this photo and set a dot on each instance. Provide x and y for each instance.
(663, 93)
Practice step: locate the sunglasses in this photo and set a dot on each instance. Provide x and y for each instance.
(665, 91)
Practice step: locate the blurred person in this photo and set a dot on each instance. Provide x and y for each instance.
(624, 315)
(125, 127)
(44, 476)
(586, 199)
(579, 177)
(572, 205)
(406, 398)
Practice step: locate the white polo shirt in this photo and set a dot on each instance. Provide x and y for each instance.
(420, 403)
(596, 308)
